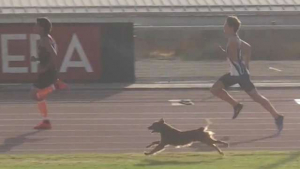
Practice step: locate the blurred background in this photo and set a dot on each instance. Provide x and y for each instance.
(163, 41)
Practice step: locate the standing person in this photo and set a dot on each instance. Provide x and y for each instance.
(239, 73)
(47, 80)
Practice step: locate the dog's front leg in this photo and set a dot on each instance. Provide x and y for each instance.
(156, 149)
(153, 143)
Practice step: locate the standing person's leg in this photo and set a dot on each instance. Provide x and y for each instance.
(250, 89)
(60, 85)
(41, 90)
(42, 107)
(218, 89)
(265, 103)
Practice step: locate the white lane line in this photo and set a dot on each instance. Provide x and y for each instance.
(297, 101)
(273, 68)
(141, 130)
(145, 118)
(181, 102)
(140, 113)
(142, 124)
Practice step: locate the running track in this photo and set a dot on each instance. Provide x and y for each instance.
(116, 121)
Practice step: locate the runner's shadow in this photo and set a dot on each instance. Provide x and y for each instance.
(292, 157)
(12, 142)
(254, 140)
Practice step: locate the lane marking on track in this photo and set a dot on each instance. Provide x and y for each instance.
(273, 68)
(181, 102)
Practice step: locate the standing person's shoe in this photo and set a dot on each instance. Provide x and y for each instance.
(44, 125)
(279, 123)
(237, 110)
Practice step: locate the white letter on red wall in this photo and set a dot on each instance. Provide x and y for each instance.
(84, 62)
(33, 51)
(6, 58)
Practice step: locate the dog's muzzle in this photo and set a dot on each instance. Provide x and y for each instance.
(152, 130)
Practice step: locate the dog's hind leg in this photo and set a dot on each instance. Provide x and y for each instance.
(157, 149)
(221, 142)
(153, 143)
(217, 148)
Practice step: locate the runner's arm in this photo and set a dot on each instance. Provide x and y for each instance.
(232, 50)
(247, 53)
(223, 51)
(46, 42)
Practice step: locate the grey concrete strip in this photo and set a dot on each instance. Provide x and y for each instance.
(207, 86)
(120, 86)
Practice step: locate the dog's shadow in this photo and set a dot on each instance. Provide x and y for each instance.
(154, 162)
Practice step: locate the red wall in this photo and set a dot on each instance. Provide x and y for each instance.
(75, 42)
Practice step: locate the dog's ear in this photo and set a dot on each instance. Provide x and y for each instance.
(162, 120)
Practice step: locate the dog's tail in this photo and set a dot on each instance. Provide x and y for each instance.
(208, 122)
(205, 129)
